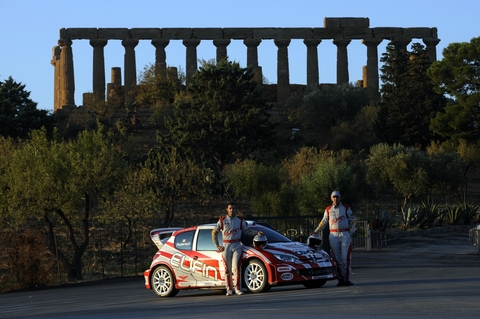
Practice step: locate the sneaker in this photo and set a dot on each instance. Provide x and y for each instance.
(229, 293)
(341, 283)
(239, 292)
(348, 283)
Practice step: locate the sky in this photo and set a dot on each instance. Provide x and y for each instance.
(29, 29)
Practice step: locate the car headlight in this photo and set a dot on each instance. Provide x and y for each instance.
(288, 258)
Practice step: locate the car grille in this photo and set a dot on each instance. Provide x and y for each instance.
(315, 271)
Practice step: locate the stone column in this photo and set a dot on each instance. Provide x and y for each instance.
(283, 75)
(67, 77)
(114, 88)
(56, 77)
(252, 59)
(342, 60)
(221, 45)
(371, 81)
(160, 55)
(130, 69)
(431, 45)
(98, 68)
(191, 45)
(313, 78)
(252, 51)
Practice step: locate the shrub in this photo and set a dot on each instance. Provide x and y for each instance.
(469, 213)
(28, 260)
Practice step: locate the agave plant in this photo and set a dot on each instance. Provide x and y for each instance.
(453, 214)
(431, 213)
(410, 217)
(385, 219)
(469, 212)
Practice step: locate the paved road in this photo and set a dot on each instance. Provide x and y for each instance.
(415, 277)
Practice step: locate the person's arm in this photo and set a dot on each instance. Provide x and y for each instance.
(322, 224)
(215, 238)
(351, 221)
(248, 230)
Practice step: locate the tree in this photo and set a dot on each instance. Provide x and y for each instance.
(169, 178)
(220, 117)
(331, 174)
(412, 172)
(18, 113)
(458, 75)
(158, 89)
(260, 184)
(408, 100)
(324, 108)
(62, 184)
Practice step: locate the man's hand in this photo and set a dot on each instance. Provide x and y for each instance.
(220, 248)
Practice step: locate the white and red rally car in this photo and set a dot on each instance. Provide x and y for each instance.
(188, 259)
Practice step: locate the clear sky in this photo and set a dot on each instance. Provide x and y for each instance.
(29, 29)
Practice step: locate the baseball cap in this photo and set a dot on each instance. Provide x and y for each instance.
(335, 193)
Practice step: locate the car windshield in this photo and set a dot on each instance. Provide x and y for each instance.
(272, 236)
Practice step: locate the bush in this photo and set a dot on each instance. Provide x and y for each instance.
(469, 213)
(28, 261)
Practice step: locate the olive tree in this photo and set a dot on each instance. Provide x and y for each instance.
(412, 172)
(61, 183)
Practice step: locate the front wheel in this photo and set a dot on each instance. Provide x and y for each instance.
(255, 276)
(163, 282)
(315, 283)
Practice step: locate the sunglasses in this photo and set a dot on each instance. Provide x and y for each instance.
(336, 196)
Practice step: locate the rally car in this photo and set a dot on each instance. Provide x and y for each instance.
(188, 259)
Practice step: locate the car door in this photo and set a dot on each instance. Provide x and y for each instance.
(207, 261)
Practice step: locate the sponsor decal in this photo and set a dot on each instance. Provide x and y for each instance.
(286, 276)
(184, 243)
(283, 269)
(183, 262)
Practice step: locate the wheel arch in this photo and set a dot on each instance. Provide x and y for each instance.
(270, 269)
(172, 270)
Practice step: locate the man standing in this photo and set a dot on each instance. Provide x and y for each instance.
(342, 226)
(231, 227)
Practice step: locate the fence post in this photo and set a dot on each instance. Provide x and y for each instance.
(478, 239)
(368, 239)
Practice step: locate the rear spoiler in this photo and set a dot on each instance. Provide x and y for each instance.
(161, 233)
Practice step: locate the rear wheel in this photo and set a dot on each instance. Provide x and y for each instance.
(255, 276)
(163, 282)
(315, 283)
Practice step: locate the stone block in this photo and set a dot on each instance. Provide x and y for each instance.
(297, 33)
(113, 33)
(81, 33)
(322, 33)
(176, 33)
(346, 22)
(417, 32)
(357, 33)
(207, 33)
(264, 33)
(387, 32)
(145, 33)
(238, 33)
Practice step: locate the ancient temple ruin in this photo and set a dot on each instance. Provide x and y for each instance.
(341, 30)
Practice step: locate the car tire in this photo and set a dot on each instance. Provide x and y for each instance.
(163, 282)
(255, 276)
(315, 283)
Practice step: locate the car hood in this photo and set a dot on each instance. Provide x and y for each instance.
(302, 251)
